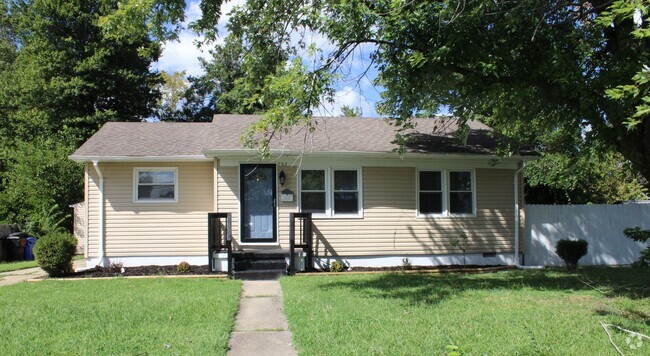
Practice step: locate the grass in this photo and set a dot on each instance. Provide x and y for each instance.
(18, 265)
(512, 312)
(118, 316)
(14, 266)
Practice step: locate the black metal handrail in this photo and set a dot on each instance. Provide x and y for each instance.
(219, 238)
(305, 239)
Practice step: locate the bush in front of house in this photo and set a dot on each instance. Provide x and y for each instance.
(337, 266)
(54, 253)
(570, 251)
(183, 267)
(642, 236)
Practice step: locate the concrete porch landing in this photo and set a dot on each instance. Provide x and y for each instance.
(261, 327)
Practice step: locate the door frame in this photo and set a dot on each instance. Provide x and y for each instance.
(242, 205)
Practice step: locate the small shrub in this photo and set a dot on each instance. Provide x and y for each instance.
(183, 267)
(116, 267)
(337, 266)
(54, 253)
(570, 251)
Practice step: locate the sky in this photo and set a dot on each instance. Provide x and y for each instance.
(352, 90)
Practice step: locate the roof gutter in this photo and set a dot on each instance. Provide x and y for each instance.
(181, 158)
(102, 219)
(366, 154)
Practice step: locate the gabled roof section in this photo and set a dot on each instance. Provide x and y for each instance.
(146, 139)
(167, 140)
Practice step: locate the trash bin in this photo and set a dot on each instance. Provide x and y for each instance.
(14, 246)
(3, 254)
(28, 251)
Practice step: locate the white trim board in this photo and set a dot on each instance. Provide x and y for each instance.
(134, 261)
(419, 260)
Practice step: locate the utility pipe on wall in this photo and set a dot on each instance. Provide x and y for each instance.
(101, 213)
(516, 178)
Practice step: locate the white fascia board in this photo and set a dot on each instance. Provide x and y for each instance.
(188, 158)
(364, 154)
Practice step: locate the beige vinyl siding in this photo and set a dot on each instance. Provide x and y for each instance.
(389, 225)
(151, 229)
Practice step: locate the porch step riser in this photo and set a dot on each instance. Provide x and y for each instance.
(279, 265)
(259, 275)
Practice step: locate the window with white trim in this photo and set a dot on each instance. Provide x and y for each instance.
(331, 192)
(460, 192)
(346, 192)
(155, 185)
(430, 192)
(313, 195)
(445, 193)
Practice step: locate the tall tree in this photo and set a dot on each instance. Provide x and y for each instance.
(526, 67)
(233, 80)
(68, 77)
(172, 96)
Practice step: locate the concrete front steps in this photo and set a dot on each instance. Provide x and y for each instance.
(259, 265)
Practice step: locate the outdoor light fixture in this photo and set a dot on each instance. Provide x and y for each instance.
(282, 177)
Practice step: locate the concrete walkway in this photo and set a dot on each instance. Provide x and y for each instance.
(13, 277)
(261, 327)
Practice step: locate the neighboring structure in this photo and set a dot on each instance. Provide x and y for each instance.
(79, 225)
(150, 186)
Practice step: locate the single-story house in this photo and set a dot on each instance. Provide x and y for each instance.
(150, 186)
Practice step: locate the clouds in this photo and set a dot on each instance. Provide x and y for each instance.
(347, 96)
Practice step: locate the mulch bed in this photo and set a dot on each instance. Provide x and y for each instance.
(138, 271)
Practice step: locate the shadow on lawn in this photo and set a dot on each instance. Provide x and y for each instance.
(432, 289)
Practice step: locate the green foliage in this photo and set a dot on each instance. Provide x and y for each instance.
(347, 111)
(172, 93)
(183, 267)
(233, 81)
(642, 236)
(586, 176)
(46, 221)
(636, 234)
(54, 253)
(38, 176)
(462, 242)
(337, 266)
(570, 251)
(542, 73)
(65, 77)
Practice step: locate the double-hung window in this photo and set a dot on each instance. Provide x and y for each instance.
(155, 185)
(445, 193)
(330, 192)
(313, 195)
(431, 196)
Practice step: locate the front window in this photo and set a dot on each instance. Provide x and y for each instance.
(346, 192)
(331, 192)
(156, 185)
(313, 194)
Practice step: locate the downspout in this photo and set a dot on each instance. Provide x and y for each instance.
(101, 214)
(516, 178)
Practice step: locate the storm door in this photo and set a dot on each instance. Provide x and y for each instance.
(258, 201)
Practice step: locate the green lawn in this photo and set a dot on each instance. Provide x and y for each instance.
(507, 313)
(15, 266)
(118, 316)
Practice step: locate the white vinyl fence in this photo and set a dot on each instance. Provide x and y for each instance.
(601, 225)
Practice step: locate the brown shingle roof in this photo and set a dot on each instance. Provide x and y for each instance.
(164, 139)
